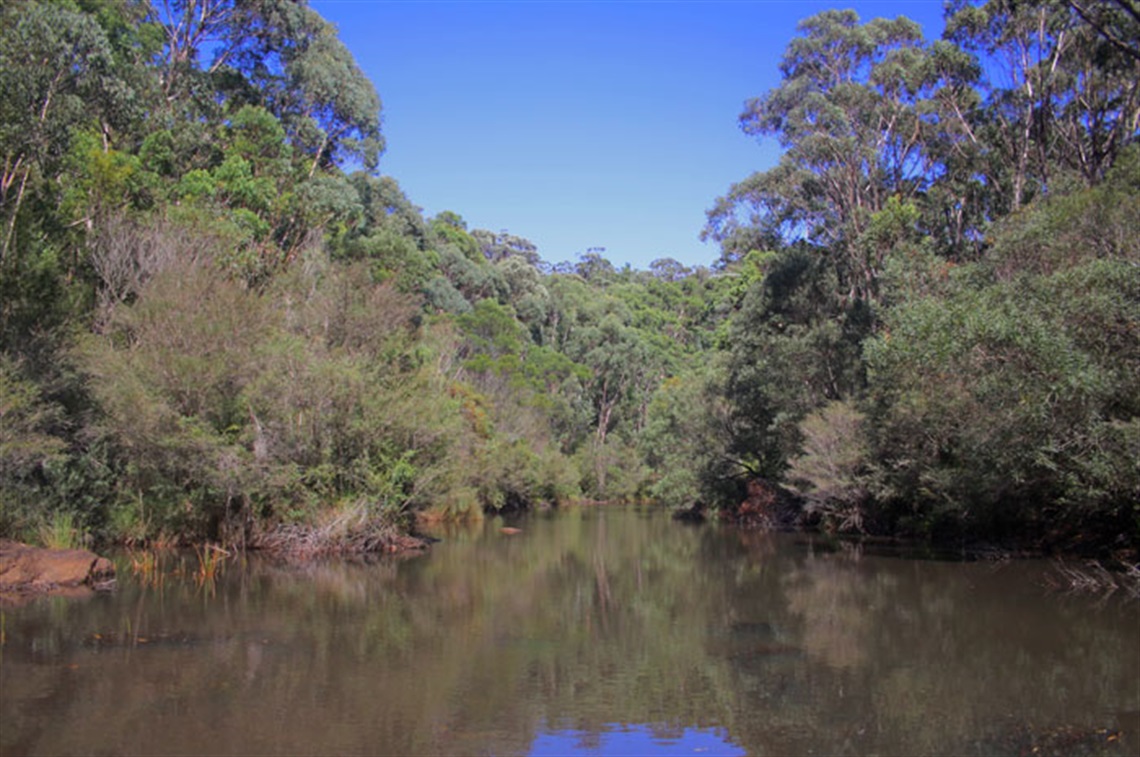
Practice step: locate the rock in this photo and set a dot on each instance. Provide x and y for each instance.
(27, 570)
(510, 531)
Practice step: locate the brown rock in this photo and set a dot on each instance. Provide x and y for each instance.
(25, 569)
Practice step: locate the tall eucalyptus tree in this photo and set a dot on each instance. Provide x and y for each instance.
(853, 116)
(279, 54)
(59, 75)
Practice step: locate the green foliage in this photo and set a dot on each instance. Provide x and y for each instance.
(793, 347)
(59, 76)
(492, 329)
(60, 532)
(847, 90)
(1064, 95)
(451, 230)
(475, 279)
(611, 471)
(944, 338)
(924, 317)
(1005, 397)
(513, 476)
(685, 442)
(229, 404)
(27, 446)
(443, 297)
(280, 55)
(231, 375)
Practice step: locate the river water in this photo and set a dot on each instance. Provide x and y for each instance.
(593, 631)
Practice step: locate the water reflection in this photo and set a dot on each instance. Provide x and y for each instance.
(545, 639)
(630, 741)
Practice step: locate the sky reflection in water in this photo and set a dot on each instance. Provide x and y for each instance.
(635, 741)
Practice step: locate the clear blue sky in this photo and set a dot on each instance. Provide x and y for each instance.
(578, 124)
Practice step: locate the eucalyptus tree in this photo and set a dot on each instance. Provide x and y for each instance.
(857, 115)
(1098, 111)
(279, 54)
(669, 269)
(1061, 89)
(593, 266)
(307, 76)
(1117, 21)
(59, 75)
(852, 116)
(499, 246)
(527, 293)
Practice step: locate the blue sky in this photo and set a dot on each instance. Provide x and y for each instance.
(578, 124)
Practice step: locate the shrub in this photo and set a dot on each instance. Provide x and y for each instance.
(833, 472)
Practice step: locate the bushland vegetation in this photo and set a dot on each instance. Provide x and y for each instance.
(220, 321)
(940, 334)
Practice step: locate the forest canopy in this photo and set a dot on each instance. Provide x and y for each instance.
(219, 320)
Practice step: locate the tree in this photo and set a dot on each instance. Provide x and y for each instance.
(58, 70)
(1098, 112)
(792, 347)
(851, 114)
(684, 442)
(279, 54)
(27, 444)
(1117, 21)
(1058, 93)
(1003, 394)
(593, 266)
(309, 80)
(498, 247)
(669, 269)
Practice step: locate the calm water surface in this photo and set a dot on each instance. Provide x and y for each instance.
(594, 631)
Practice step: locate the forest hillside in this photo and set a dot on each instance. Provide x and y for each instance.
(220, 320)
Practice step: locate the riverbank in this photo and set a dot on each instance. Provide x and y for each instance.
(27, 572)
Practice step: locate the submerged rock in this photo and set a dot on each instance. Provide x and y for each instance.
(29, 571)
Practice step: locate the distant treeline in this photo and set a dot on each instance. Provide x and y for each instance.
(218, 319)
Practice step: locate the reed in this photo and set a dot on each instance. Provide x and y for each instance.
(210, 561)
(146, 570)
(60, 532)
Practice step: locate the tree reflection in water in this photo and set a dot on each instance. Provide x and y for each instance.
(599, 628)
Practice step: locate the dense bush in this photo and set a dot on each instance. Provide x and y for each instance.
(925, 319)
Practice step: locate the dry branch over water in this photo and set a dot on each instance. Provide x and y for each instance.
(1095, 577)
(347, 532)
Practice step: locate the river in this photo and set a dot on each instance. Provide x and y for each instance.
(592, 631)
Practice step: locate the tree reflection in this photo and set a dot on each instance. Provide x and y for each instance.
(590, 623)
